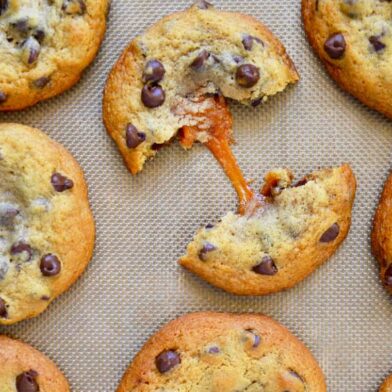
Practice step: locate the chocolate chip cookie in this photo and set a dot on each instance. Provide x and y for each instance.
(45, 46)
(158, 84)
(24, 369)
(46, 226)
(220, 352)
(382, 234)
(354, 40)
(387, 385)
(295, 228)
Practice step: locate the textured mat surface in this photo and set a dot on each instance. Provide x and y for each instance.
(134, 285)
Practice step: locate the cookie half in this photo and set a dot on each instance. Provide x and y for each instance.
(220, 352)
(354, 41)
(296, 228)
(382, 234)
(46, 226)
(387, 385)
(24, 369)
(45, 46)
(154, 89)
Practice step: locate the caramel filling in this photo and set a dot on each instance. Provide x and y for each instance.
(216, 121)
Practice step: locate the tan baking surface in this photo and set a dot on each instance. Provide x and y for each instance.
(134, 285)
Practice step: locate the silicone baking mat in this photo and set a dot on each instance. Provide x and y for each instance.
(133, 284)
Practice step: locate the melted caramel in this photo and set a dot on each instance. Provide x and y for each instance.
(216, 120)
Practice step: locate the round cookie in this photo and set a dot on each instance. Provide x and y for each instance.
(46, 226)
(45, 46)
(297, 228)
(382, 235)
(153, 91)
(221, 352)
(24, 369)
(354, 40)
(387, 385)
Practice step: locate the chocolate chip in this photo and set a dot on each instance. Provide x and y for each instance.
(207, 247)
(50, 265)
(256, 340)
(26, 382)
(266, 267)
(61, 183)
(3, 6)
(7, 216)
(213, 350)
(238, 59)
(209, 226)
(133, 137)
(199, 61)
(167, 360)
(335, 46)
(3, 97)
(3, 309)
(45, 298)
(22, 248)
(39, 35)
(153, 96)
(256, 102)
(247, 75)
(248, 41)
(154, 71)
(22, 25)
(31, 50)
(203, 5)
(41, 82)
(331, 234)
(376, 42)
(301, 182)
(388, 276)
(74, 7)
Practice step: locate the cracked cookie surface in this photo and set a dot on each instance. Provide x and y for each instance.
(382, 235)
(296, 229)
(354, 40)
(219, 352)
(150, 93)
(24, 369)
(45, 45)
(46, 226)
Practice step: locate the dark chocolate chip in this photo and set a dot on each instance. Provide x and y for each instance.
(3, 6)
(22, 247)
(248, 41)
(207, 247)
(209, 226)
(376, 42)
(388, 276)
(74, 7)
(50, 265)
(335, 46)
(213, 350)
(39, 35)
(61, 183)
(3, 308)
(26, 382)
(8, 215)
(256, 338)
(41, 82)
(247, 75)
(199, 61)
(22, 25)
(32, 48)
(133, 137)
(256, 102)
(45, 298)
(167, 360)
(266, 267)
(203, 5)
(154, 71)
(238, 59)
(3, 97)
(331, 234)
(301, 182)
(153, 96)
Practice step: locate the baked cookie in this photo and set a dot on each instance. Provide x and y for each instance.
(295, 229)
(220, 352)
(382, 234)
(161, 81)
(45, 46)
(354, 40)
(387, 385)
(24, 369)
(46, 226)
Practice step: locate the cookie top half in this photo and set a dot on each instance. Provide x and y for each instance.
(24, 369)
(220, 352)
(354, 40)
(45, 45)
(387, 385)
(199, 51)
(46, 226)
